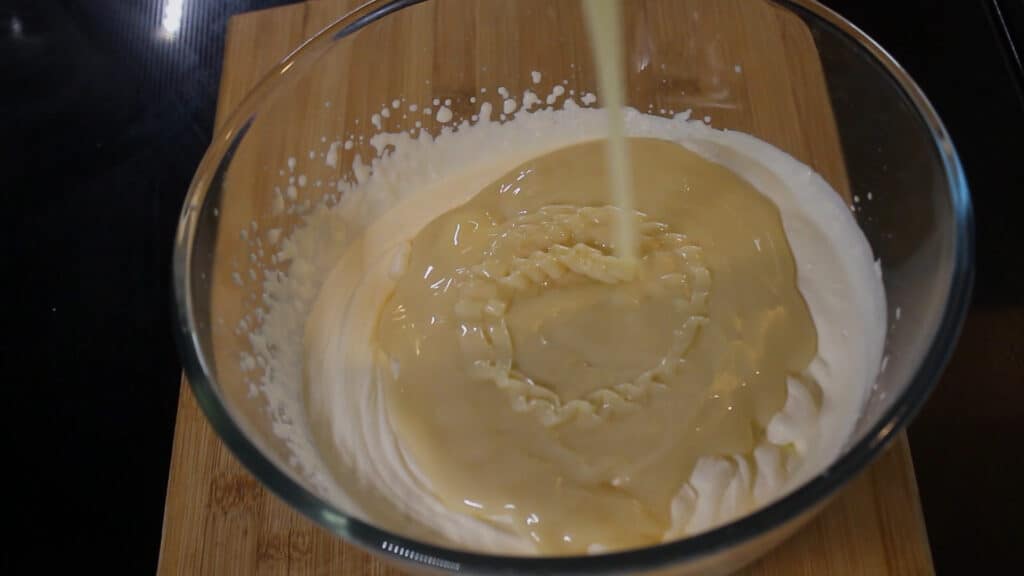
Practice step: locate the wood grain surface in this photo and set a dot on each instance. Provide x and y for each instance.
(220, 520)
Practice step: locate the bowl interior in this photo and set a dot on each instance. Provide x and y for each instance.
(788, 73)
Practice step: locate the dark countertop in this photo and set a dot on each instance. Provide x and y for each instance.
(104, 122)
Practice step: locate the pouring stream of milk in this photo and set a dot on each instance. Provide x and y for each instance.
(604, 19)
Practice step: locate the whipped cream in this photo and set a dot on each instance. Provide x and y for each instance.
(344, 261)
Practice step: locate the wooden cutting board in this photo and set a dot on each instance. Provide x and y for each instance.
(218, 519)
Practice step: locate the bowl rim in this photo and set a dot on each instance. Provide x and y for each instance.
(813, 492)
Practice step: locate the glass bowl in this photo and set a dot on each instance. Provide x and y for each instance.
(790, 72)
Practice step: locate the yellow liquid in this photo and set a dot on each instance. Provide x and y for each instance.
(604, 22)
(549, 387)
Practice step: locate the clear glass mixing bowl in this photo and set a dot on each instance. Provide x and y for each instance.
(790, 72)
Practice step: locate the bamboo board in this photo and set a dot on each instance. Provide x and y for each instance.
(220, 520)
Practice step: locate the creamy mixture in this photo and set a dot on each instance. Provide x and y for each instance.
(571, 390)
(482, 370)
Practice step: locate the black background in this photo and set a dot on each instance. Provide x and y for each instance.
(103, 123)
